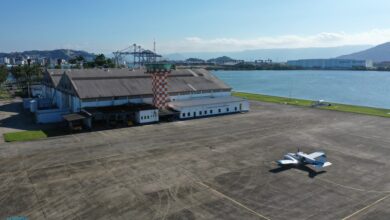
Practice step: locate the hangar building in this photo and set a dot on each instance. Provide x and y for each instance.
(192, 93)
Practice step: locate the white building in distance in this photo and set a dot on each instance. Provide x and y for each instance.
(330, 63)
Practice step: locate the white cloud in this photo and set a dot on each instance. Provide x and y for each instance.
(196, 44)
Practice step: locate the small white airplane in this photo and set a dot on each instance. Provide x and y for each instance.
(316, 159)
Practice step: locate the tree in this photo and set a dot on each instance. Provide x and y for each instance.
(77, 60)
(89, 65)
(72, 61)
(3, 73)
(110, 63)
(100, 60)
(80, 58)
(26, 75)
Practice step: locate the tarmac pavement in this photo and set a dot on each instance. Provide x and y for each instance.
(212, 168)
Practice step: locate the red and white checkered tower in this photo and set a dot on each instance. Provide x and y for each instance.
(159, 74)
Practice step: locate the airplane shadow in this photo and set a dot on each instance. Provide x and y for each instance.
(311, 173)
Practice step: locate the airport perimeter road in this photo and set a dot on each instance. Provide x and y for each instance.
(211, 168)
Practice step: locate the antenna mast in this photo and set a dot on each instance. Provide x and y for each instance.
(154, 49)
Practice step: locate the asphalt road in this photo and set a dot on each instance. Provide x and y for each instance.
(211, 168)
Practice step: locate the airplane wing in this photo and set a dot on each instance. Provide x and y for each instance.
(316, 159)
(321, 165)
(314, 155)
(287, 162)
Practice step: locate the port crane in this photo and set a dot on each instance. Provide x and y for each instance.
(140, 56)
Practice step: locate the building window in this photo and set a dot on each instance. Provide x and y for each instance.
(200, 112)
(227, 109)
(188, 114)
(211, 111)
(235, 109)
(219, 110)
(205, 112)
(184, 115)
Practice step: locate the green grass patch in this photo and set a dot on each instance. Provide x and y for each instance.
(359, 109)
(273, 99)
(4, 94)
(307, 103)
(24, 136)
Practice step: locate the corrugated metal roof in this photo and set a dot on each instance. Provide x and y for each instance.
(52, 78)
(99, 83)
(56, 79)
(204, 101)
(112, 73)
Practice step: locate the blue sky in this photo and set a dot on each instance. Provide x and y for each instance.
(191, 25)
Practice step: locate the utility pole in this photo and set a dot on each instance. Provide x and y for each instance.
(135, 51)
(154, 45)
(139, 57)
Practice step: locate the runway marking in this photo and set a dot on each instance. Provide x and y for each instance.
(75, 137)
(350, 187)
(361, 136)
(233, 200)
(103, 133)
(368, 206)
(344, 186)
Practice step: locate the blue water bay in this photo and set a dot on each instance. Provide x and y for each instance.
(365, 88)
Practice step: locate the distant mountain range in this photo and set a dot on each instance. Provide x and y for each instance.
(50, 54)
(223, 59)
(277, 55)
(377, 54)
